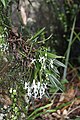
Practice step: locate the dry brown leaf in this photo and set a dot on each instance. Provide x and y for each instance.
(62, 97)
(70, 94)
(8, 101)
(56, 115)
(77, 101)
(67, 96)
(65, 112)
(5, 100)
(59, 112)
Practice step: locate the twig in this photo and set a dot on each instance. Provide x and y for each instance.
(4, 68)
(73, 70)
(73, 110)
(68, 51)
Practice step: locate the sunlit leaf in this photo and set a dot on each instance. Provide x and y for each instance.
(4, 2)
(38, 109)
(37, 34)
(50, 55)
(58, 63)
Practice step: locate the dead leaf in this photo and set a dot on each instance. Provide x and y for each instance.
(65, 112)
(5, 100)
(77, 101)
(56, 115)
(70, 94)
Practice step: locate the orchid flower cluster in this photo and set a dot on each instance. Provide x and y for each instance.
(36, 90)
